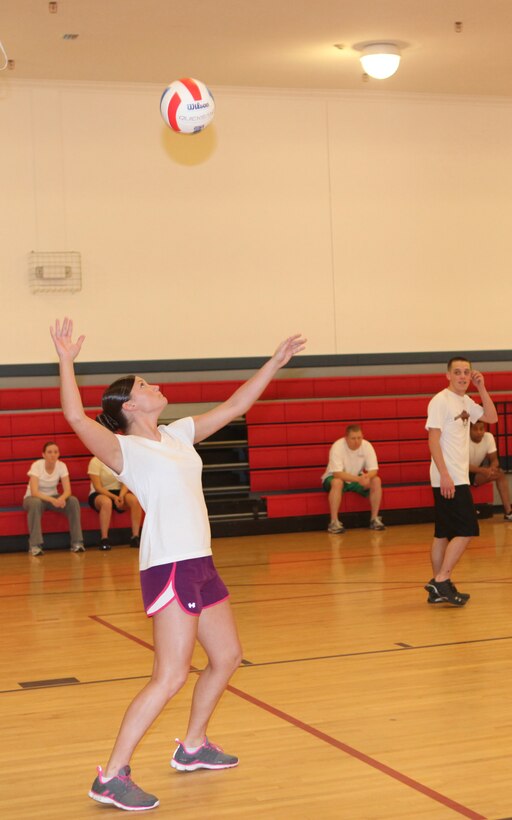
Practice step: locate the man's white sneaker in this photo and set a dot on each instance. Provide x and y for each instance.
(377, 523)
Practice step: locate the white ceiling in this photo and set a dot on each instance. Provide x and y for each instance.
(262, 43)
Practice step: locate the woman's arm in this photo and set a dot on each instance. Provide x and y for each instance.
(242, 399)
(66, 488)
(34, 491)
(100, 441)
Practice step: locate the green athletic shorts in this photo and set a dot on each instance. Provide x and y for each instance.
(348, 487)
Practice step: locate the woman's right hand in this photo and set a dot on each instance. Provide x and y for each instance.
(64, 345)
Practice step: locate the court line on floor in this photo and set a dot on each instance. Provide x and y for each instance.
(361, 756)
(338, 744)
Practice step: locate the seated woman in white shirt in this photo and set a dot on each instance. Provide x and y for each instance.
(107, 494)
(42, 494)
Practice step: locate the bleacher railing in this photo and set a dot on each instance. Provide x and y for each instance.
(503, 434)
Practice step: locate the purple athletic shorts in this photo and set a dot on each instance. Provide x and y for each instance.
(194, 583)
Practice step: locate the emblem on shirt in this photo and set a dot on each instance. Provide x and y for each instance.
(464, 416)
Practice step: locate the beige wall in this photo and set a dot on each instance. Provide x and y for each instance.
(371, 223)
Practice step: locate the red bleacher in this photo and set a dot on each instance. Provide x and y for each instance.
(289, 432)
(289, 446)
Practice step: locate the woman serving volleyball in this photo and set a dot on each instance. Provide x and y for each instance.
(182, 591)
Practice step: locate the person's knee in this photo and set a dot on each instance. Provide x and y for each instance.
(171, 680)
(72, 503)
(336, 485)
(237, 657)
(375, 481)
(103, 502)
(31, 502)
(229, 659)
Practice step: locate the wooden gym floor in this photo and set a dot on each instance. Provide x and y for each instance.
(356, 699)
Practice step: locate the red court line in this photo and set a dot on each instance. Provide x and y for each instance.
(122, 632)
(364, 758)
(332, 741)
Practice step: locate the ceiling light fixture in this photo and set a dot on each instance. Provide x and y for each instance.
(380, 60)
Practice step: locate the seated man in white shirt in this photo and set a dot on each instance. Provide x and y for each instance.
(484, 465)
(352, 467)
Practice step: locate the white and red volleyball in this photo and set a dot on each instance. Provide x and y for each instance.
(187, 106)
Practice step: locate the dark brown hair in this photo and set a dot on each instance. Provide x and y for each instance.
(457, 359)
(49, 444)
(113, 417)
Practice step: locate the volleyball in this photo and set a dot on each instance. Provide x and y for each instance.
(187, 106)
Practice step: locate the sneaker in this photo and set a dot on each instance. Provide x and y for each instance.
(433, 595)
(105, 544)
(464, 595)
(377, 523)
(208, 756)
(77, 548)
(122, 792)
(435, 598)
(508, 516)
(135, 541)
(444, 592)
(336, 528)
(37, 550)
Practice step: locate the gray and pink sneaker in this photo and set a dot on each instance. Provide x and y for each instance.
(208, 756)
(122, 792)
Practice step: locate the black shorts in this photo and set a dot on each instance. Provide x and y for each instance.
(455, 516)
(93, 497)
(472, 479)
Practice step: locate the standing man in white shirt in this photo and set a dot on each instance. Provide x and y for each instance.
(449, 415)
(352, 467)
(484, 465)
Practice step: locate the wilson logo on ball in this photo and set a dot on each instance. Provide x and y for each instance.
(187, 106)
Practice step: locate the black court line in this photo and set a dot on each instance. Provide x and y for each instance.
(380, 651)
(254, 664)
(66, 578)
(77, 592)
(386, 585)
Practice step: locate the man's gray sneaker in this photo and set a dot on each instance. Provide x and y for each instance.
(208, 756)
(122, 792)
(336, 528)
(77, 548)
(377, 523)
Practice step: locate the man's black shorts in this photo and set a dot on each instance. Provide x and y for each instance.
(455, 516)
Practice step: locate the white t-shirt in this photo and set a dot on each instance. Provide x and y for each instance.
(105, 475)
(48, 482)
(479, 450)
(451, 413)
(165, 476)
(344, 460)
